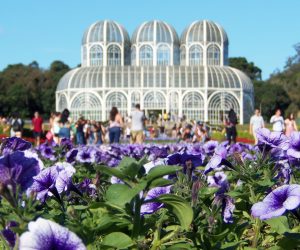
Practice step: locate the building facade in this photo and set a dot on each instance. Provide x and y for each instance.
(185, 77)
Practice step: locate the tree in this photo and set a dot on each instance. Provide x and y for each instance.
(249, 68)
(269, 97)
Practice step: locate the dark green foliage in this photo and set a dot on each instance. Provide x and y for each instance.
(27, 88)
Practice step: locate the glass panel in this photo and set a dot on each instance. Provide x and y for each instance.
(114, 55)
(195, 55)
(146, 55)
(96, 55)
(163, 55)
(193, 106)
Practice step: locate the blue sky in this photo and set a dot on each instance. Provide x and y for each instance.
(263, 31)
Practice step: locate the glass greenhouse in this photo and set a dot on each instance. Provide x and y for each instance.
(185, 77)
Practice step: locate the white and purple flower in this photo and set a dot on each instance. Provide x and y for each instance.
(47, 235)
(276, 203)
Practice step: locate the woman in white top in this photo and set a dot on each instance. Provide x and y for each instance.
(277, 121)
(115, 125)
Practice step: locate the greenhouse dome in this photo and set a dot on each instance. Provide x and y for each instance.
(105, 43)
(200, 90)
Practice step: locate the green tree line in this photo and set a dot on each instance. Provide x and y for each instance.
(29, 88)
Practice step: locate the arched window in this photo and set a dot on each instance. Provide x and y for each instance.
(163, 55)
(193, 106)
(219, 106)
(213, 55)
(182, 56)
(133, 56)
(196, 55)
(135, 99)
(146, 55)
(62, 103)
(96, 56)
(155, 100)
(116, 99)
(87, 105)
(174, 104)
(114, 55)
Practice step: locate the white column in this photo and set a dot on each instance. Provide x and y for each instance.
(241, 107)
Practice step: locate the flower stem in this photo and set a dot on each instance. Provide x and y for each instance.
(137, 218)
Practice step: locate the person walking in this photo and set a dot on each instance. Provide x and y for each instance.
(137, 125)
(277, 121)
(231, 127)
(256, 122)
(37, 127)
(290, 125)
(115, 125)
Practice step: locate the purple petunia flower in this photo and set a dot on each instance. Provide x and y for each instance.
(13, 144)
(115, 180)
(48, 235)
(53, 181)
(44, 184)
(151, 207)
(71, 155)
(294, 149)
(286, 197)
(182, 159)
(86, 155)
(47, 152)
(219, 180)
(268, 140)
(228, 206)
(19, 168)
(9, 235)
(210, 146)
(284, 171)
(218, 159)
(64, 178)
(86, 186)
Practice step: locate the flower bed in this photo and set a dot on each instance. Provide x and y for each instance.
(175, 196)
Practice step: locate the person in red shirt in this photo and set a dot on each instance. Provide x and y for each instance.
(37, 127)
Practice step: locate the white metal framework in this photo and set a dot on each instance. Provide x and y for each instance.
(187, 76)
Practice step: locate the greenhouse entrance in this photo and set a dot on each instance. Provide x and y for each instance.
(154, 114)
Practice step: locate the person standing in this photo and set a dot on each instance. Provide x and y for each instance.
(37, 127)
(231, 127)
(290, 125)
(16, 125)
(277, 121)
(65, 130)
(256, 122)
(137, 125)
(115, 125)
(79, 131)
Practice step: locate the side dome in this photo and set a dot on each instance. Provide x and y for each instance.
(204, 43)
(105, 31)
(155, 43)
(204, 31)
(105, 43)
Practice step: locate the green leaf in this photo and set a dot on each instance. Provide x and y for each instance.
(129, 167)
(118, 240)
(183, 246)
(160, 171)
(279, 224)
(160, 182)
(120, 194)
(110, 171)
(179, 207)
(231, 245)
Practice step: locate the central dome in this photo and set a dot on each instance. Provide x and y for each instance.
(155, 31)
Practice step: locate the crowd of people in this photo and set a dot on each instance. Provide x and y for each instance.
(286, 126)
(136, 127)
